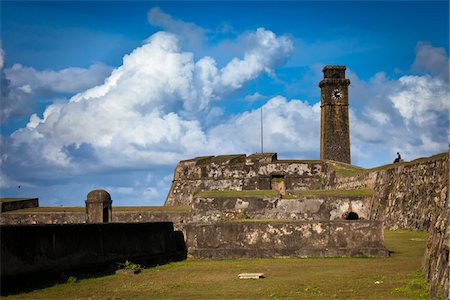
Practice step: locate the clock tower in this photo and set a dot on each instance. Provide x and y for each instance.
(334, 121)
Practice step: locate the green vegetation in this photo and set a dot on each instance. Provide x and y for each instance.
(72, 279)
(180, 208)
(128, 265)
(246, 193)
(50, 209)
(82, 209)
(393, 277)
(289, 197)
(416, 287)
(343, 193)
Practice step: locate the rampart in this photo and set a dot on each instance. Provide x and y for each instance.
(311, 208)
(49, 250)
(414, 196)
(286, 239)
(241, 172)
(21, 203)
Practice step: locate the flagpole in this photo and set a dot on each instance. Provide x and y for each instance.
(262, 131)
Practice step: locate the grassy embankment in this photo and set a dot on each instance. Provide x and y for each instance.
(117, 209)
(292, 194)
(393, 277)
(348, 170)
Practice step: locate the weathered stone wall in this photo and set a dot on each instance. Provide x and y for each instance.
(179, 219)
(18, 204)
(285, 239)
(412, 196)
(309, 208)
(239, 172)
(32, 218)
(41, 249)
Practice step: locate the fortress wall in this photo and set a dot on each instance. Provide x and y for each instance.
(42, 250)
(239, 172)
(285, 239)
(18, 204)
(414, 197)
(179, 219)
(312, 208)
(19, 218)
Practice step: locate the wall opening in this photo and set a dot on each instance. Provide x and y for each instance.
(277, 184)
(351, 216)
(105, 215)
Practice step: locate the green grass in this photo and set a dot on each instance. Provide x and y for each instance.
(393, 277)
(246, 193)
(343, 193)
(59, 209)
(180, 208)
(49, 209)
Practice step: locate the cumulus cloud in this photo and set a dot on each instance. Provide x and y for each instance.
(136, 116)
(409, 114)
(191, 35)
(69, 80)
(16, 101)
(20, 85)
(290, 127)
(432, 60)
(163, 105)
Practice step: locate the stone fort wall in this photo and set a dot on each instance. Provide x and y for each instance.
(46, 251)
(241, 172)
(412, 196)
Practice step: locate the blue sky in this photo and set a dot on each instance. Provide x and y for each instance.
(113, 94)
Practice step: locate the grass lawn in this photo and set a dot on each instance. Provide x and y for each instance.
(232, 193)
(394, 277)
(342, 193)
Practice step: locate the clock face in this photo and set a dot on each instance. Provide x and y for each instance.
(337, 94)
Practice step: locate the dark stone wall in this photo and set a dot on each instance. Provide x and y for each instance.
(18, 204)
(285, 239)
(42, 249)
(59, 247)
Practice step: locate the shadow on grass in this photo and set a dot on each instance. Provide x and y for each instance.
(26, 283)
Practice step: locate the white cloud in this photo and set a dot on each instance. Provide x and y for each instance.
(420, 98)
(135, 117)
(15, 101)
(191, 35)
(432, 60)
(2, 56)
(69, 80)
(290, 128)
(254, 97)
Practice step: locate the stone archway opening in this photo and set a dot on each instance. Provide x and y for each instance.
(277, 184)
(351, 216)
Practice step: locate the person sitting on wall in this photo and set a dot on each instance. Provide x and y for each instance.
(398, 159)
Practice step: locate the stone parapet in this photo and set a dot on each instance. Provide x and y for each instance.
(285, 239)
